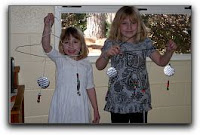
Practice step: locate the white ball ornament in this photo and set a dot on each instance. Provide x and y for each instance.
(169, 71)
(111, 72)
(43, 82)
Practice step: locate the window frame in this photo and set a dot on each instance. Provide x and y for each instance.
(147, 9)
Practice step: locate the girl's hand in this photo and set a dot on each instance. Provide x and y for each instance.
(96, 117)
(49, 19)
(114, 50)
(171, 46)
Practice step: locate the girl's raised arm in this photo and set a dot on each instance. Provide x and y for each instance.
(48, 22)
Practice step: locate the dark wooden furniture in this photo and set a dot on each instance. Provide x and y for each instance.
(17, 111)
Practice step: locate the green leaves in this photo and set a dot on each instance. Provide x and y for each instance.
(164, 27)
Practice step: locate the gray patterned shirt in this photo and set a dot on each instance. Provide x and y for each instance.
(129, 91)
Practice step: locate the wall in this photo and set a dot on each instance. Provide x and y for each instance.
(25, 28)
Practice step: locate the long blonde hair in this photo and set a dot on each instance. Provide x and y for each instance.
(65, 34)
(134, 15)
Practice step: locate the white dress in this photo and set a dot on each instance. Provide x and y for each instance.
(66, 105)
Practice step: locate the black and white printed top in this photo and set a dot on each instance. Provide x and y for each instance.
(129, 91)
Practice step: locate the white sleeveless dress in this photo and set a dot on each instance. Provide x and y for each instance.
(66, 105)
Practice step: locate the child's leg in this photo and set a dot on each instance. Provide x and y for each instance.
(119, 118)
(138, 117)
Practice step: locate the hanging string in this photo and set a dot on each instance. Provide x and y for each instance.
(43, 81)
(112, 72)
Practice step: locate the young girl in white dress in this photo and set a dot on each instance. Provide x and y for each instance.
(74, 77)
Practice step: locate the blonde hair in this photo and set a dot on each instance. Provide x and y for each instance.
(65, 34)
(134, 15)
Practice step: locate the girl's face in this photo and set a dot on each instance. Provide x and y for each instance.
(71, 46)
(128, 29)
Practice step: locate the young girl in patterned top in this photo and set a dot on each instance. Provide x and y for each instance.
(128, 97)
(74, 77)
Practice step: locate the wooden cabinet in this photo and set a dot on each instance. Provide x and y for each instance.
(17, 111)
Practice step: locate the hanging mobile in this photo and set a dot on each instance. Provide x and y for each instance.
(43, 82)
(169, 71)
(111, 72)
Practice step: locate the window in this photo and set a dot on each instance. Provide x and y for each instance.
(170, 26)
(164, 22)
